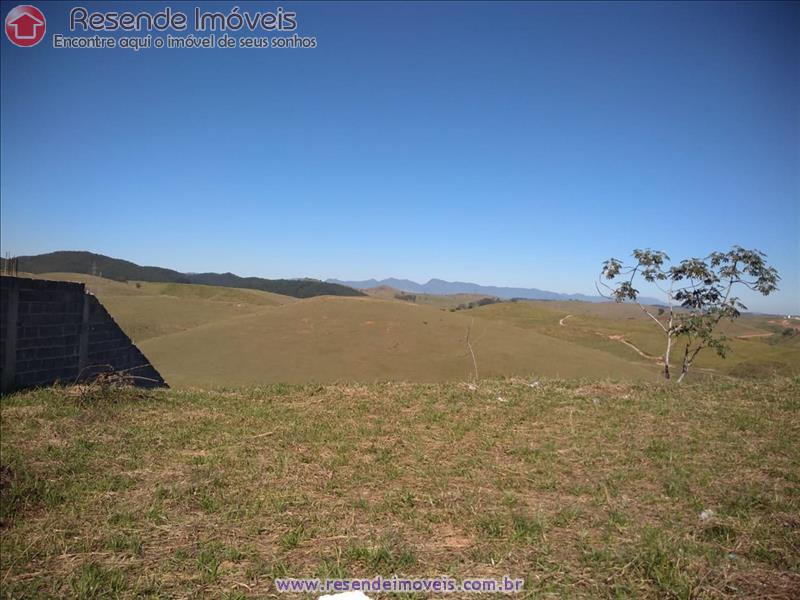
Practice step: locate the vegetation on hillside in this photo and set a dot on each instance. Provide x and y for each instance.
(585, 489)
(70, 261)
(445, 301)
(480, 301)
(476, 303)
(123, 270)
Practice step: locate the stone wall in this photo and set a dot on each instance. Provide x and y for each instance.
(53, 331)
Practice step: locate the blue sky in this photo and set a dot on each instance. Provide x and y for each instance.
(505, 144)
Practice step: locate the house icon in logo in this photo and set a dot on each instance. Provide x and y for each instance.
(25, 25)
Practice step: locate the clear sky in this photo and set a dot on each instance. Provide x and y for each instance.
(506, 144)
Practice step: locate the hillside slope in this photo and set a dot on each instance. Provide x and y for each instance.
(760, 345)
(146, 310)
(208, 336)
(365, 339)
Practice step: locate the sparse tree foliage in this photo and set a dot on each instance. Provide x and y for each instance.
(476, 303)
(698, 293)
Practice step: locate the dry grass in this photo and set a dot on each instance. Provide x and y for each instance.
(200, 335)
(759, 348)
(329, 339)
(585, 488)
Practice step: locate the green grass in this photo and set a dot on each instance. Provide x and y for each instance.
(584, 488)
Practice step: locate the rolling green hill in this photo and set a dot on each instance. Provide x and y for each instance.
(759, 344)
(365, 339)
(146, 310)
(211, 336)
(123, 270)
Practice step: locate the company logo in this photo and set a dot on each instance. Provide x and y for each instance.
(25, 25)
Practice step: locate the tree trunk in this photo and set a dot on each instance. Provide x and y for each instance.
(666, 357)
(688, 359)
(685, 363)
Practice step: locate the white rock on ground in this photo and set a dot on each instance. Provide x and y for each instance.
(346, 596)
(707, 515)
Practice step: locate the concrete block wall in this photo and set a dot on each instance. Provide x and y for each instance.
(53, 331)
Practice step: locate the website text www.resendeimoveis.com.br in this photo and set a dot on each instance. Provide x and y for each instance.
(396, 584)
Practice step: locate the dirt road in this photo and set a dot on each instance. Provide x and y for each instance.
(621, 339)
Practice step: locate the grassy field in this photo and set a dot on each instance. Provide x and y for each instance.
(585, 489)
(340, 339)
(759, 346)
(206, 336)
(203, 336)
(149, 310)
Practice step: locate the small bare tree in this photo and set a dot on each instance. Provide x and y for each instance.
(698, 293)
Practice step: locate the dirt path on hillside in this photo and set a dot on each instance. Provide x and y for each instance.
(786, 323)
(659, 360)
(752, 335)
(643, 354)
(621, 339)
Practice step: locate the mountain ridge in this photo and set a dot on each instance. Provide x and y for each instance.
(89, 263)
(443, 287)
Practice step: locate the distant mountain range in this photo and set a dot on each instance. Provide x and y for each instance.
(441, 287)
(122, 270)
